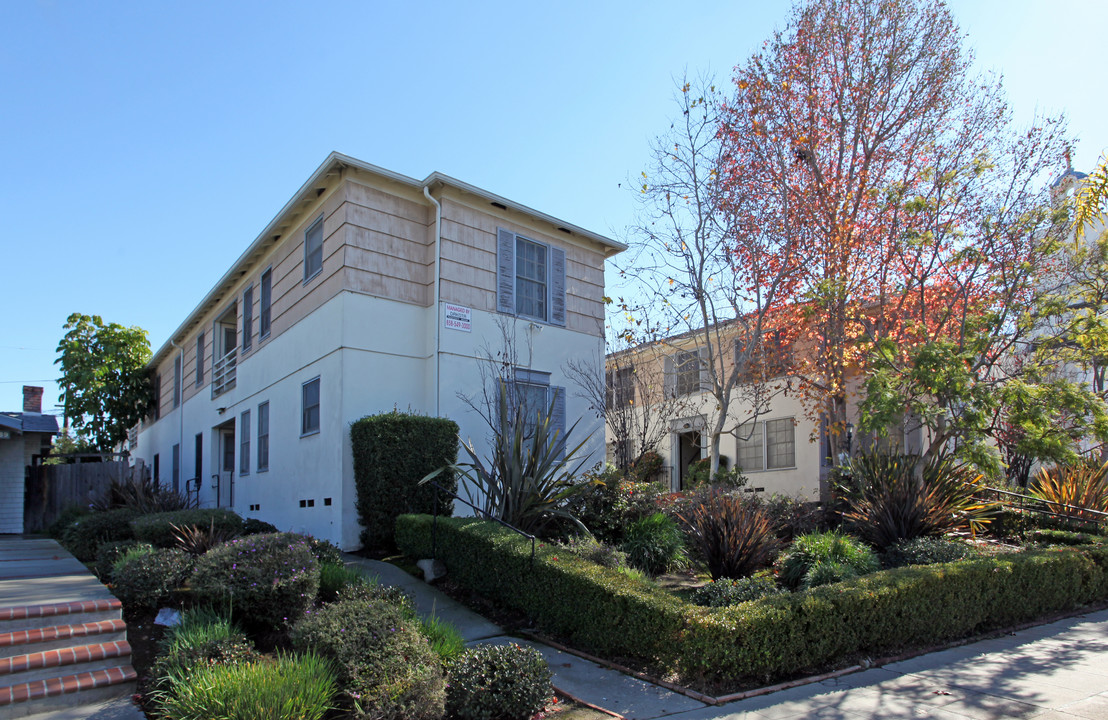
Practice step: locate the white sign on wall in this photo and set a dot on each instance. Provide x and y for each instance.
(458, 317)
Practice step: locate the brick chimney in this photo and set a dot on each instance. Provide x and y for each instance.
(32, 399)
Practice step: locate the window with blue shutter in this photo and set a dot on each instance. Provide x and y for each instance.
(530, 278)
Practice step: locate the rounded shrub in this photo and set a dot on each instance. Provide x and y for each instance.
(725, 591)
(145, 577)
(84, 536)
(254, 526)
(108, 554)
(385, 666)
(839, 556)
(267, 580)
(655, 544)
(498, 682)
(926, 551)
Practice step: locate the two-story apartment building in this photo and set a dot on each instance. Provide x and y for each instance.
(368, 291)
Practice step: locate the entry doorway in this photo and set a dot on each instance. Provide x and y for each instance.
(688, 452)
(224, 477)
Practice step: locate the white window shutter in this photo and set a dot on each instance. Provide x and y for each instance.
(557, 286)
(670, 378)
(505, 271)
(558, 419)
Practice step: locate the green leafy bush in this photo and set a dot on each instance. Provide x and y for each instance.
(824, 557)
(498, 682)
(926, 551)
(84, 536)
(655, 545)
(646, 467)
(392, 452)
(158, 529)
(268, 580)
(733, 536)
(290, 687)
(607, 503)
(254, 526)
(386, 667)
(145, 576)
(1064, 537)
(202, 638)
(600, 553)
(700, 476)
(107, 555)
(728, 591)
(325, 551)
(68, 515)
(889, 498)
(791, 517)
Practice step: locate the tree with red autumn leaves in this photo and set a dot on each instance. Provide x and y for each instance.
(876, 192)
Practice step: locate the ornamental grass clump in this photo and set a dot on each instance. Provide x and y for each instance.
(498, 682)
(289, 687)
(386, 667)
(655, 545)
(268, 581)
(824, 558)
(733, 536)
(889, 498)
(203, 638)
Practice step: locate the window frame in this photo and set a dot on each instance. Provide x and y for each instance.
(175, 467)
(248, 318)
(509, 278)
(305, 430)
(265, 304)
(244, 443)
(309, 254)
(263, 438)
(681, 369)
(200, 359)
(762, 432)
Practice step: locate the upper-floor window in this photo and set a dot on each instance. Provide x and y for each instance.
(247, 317)
(177, 381)
(619, 387)
(309, 414)
(686, 372)
(200, 359)
(313, 250)
(531, 278)
(265, 299)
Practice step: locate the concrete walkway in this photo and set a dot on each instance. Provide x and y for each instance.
(1050, 672)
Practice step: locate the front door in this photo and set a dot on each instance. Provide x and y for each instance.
(226, 496)
(688, 452)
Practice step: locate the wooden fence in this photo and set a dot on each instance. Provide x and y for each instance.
(49, 489)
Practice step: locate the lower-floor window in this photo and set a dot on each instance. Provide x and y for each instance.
(768, 445)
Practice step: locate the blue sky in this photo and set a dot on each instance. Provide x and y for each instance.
(145, 145)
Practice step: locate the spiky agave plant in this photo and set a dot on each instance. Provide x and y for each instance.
(531, 474)
(889, 498)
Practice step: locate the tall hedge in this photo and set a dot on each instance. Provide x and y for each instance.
(392, 452)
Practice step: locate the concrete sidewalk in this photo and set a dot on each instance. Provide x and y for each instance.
(1051, 672)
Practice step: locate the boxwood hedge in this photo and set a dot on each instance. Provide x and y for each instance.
(603, 611)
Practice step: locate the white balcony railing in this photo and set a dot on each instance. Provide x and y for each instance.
(223, 375)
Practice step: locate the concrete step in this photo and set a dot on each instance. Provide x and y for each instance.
(31, 617)
(60, 693)
(56, 637)
(50, 664)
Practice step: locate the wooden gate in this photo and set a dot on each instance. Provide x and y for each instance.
(49, 489)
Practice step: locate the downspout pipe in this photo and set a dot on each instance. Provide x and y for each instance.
(438, 275)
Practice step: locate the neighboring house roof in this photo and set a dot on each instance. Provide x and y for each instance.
(29, 422)
(336, 162)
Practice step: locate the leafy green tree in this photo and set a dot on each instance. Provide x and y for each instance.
(106, 388)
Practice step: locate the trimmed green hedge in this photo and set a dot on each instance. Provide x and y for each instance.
(155, 527)
(392, 452)
(597, 608)
(603, 611)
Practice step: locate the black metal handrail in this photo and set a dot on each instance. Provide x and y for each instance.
(1033, 504)
(435, 521)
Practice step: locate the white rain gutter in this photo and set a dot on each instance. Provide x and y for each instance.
(438, 275)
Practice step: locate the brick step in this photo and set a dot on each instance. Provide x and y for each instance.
(52, 663)
(56, 637)
(30, 617)
(57, 693)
